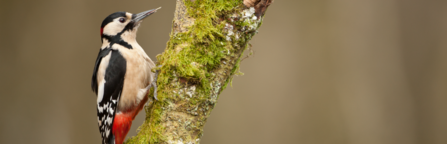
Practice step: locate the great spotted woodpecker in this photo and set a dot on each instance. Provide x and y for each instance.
(122, 75)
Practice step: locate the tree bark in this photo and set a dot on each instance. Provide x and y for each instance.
(206, 44)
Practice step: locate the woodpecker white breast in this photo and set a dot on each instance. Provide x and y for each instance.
(121, 76)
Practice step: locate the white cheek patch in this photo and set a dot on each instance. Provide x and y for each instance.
(114, 27)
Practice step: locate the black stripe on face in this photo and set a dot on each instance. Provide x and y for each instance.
(111, 17)
(117, 40)
(129, 26)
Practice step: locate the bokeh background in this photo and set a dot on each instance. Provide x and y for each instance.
(323, 72)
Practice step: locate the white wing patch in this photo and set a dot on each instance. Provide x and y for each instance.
(100, 91)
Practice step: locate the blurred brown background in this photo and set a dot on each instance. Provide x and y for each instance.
(323, 72)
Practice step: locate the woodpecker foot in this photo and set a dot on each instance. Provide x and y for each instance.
(154, 84)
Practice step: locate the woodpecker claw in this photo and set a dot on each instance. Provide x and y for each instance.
(154, 84)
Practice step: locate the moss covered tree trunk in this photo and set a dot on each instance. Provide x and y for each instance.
(206, 44)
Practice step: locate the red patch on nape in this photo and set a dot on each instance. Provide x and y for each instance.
(102, 29)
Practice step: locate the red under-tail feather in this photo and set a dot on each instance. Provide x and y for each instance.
(123, 121)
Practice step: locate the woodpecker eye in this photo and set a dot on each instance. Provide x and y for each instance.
(122, 20)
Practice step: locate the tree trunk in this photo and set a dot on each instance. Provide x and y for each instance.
(206, 44)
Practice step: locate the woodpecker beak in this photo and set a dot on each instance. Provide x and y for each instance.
(140, 16)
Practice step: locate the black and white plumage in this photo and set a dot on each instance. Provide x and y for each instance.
(122, 75)
(109, 89)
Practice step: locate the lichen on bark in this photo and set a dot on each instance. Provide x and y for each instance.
(207, 41)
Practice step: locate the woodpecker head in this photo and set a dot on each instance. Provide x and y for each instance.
(122, 25)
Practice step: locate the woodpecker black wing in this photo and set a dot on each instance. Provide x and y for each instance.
(109, 92)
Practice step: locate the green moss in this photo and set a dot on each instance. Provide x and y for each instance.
(195, 53)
